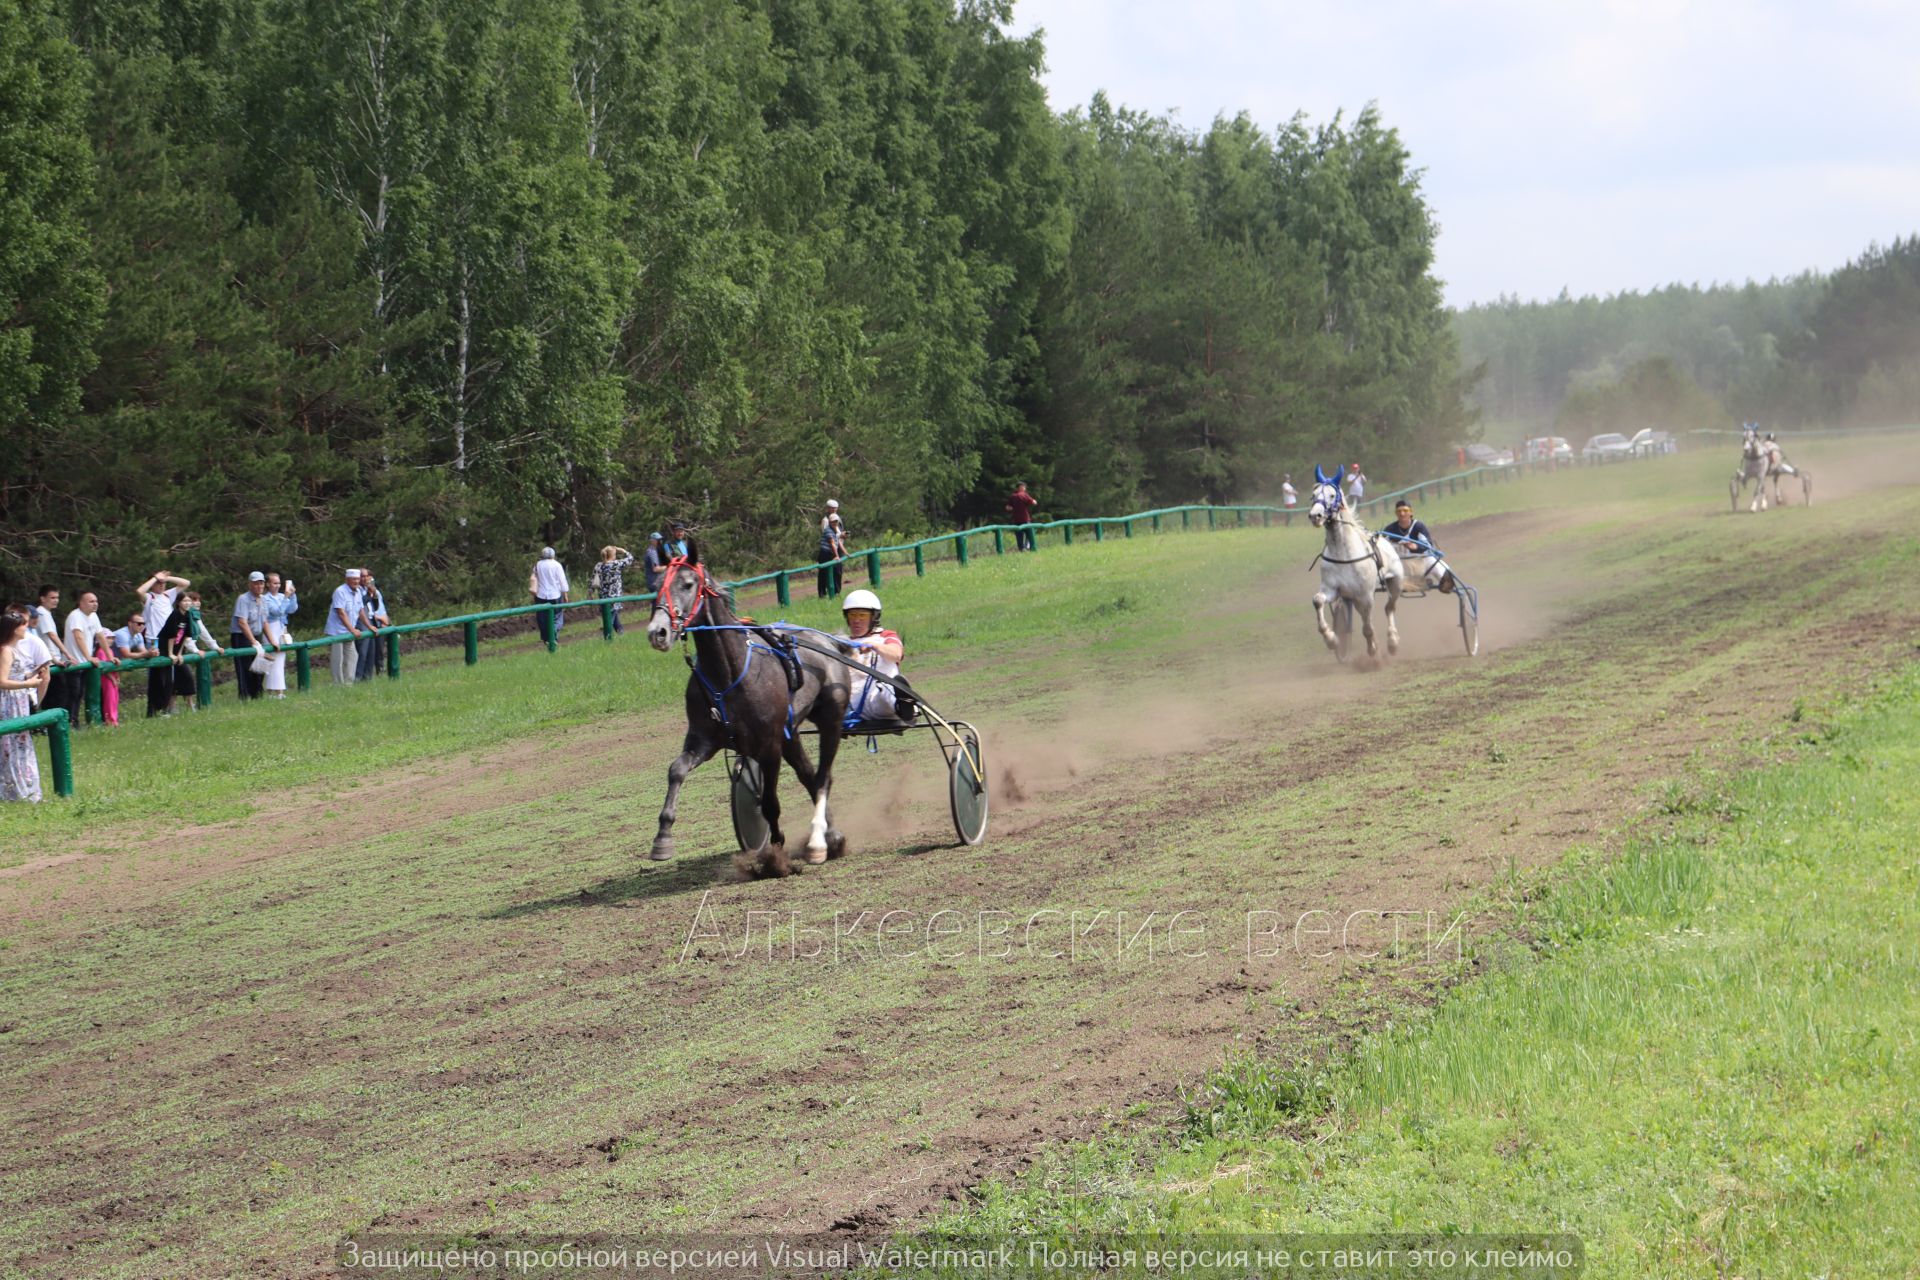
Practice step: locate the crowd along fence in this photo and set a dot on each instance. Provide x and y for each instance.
(959, 546)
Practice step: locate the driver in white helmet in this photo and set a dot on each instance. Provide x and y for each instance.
(880, 650)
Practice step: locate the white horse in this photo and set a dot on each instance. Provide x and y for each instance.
(1353, 564)
(1753, 468)
(1777, 466)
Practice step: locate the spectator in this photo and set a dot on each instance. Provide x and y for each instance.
(280, 607)
(676, 539)
(1356, 484)
(1289, 496)
(104, 658)
(59, 692)
(131, 641)
(656, 561)
(373, 657)
(344, 617)
(1021, 504)
(166, 683)
(833, 549)
(23, 681)
(83, 632)
(156, 605)
(549, 586)
(199, 639)
(609, 578)
(249, 631)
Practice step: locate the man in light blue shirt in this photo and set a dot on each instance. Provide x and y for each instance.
(346, 616)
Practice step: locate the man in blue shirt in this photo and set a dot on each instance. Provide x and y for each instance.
(1415, 544)
(131, 640)
(373, 657)
(346, 616)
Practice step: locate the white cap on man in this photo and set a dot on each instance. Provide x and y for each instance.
(833, 504)
(354, 574)
(256, 576)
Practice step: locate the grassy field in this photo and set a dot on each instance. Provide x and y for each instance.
(1700, 1056)
(430, 984)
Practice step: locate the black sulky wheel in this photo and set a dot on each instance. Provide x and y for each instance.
(968, 787)
(1342, 620)
(1469, 618)
(749, 824)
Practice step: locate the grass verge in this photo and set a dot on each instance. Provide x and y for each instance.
(1701, 1057)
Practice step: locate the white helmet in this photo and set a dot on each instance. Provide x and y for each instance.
(862, 599)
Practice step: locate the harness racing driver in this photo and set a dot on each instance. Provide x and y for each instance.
(881, 651)
(1415, 543)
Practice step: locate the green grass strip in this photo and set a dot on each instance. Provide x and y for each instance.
(1702, 1058)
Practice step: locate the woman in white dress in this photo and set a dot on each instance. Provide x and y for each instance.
(280, 606)
(24, 678)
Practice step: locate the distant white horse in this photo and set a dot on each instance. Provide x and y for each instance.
(1753, 469)
(1777, 466)
(1353, 563)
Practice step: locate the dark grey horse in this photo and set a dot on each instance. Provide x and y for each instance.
(746, 695)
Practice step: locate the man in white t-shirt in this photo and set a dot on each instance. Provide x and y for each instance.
(156, 602)
(82, 634)
(61, 689)
(1289, 496)
(550, 586)
(1356, 485)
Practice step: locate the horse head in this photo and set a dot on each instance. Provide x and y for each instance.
(684, 590)
(1326, 497)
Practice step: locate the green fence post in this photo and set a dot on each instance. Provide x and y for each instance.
(1210, 523)
(393, 656)
(549, 634)
(1099, 530)
(1186, 518)
(473, 642)
(782, 588)
(873, 567)
(1266, 518)
(1127, 526)
(999, 541)
(1066, 535)
(960, 546)
(303, 668)
(203, 680)
(606, 619)
(1156, 522)
(60, 754)
(919, 559)
(94, 713)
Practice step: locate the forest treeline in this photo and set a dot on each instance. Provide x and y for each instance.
(1813, 350)
(428, 284)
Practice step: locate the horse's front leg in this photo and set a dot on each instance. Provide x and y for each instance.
(1393, 604)
(1366, 627)
(1321, 619)
(817, 844)
(696, 751)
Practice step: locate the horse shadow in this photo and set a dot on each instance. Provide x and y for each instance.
(648, 880)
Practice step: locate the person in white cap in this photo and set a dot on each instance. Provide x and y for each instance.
(345, 617)
(550, 586)
(880, 650)
(248, 630)
(833, 548)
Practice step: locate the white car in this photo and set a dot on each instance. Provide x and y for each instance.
(1485, 455)
(1549, 449)
(1608, 447)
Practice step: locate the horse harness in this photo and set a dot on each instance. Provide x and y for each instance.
(772, 642)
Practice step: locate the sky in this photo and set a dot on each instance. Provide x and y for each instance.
(1596, 146)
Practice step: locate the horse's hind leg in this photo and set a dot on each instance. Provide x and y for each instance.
(773, 859)
(803, 770)
(696, 751)
(1366, 628)
(817, 846)
(1393, 604)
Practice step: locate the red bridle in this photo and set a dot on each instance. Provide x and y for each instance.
(702, 592)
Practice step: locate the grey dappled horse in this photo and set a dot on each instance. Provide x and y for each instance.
(739, 696)
(1753, 470)
(1352, 564)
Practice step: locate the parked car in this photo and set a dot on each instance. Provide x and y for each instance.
(1485, 455)
(1549, 449)
(1662, 442)
(1608, 447)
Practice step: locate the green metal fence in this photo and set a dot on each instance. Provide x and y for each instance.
(959, 546)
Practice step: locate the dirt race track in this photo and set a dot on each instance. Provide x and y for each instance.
(460, 1000)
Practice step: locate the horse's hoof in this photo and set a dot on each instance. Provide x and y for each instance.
(816, 855)
(662, 850)
(836, 844)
